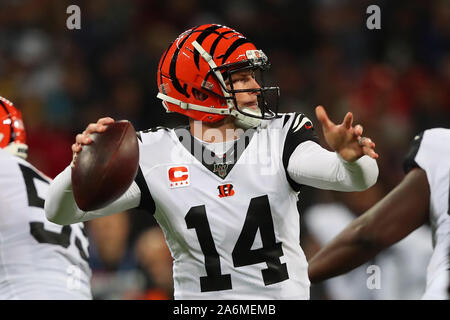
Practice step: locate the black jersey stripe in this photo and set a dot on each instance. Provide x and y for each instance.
(295, 136)
(147, 203)
(286, 119)
(410, 158)
(296, 122)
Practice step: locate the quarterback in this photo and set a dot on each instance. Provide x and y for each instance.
(38, 259)
(224, 188)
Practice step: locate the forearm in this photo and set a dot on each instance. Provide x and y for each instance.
(61, 208)
(394, 217)
(312, 165)
(346, 252)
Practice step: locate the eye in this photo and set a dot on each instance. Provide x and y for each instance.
(246, 78)
(243, 77)
(238, 79)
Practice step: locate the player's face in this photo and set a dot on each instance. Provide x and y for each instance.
(245, 80)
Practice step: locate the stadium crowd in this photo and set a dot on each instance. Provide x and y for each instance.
(396, 80)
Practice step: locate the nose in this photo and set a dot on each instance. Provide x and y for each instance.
(254, 84)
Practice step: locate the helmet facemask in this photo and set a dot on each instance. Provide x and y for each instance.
(267, 97)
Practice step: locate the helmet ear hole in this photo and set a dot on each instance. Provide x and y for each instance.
(199, 95)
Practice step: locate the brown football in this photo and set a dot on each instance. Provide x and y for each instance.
(106, 168)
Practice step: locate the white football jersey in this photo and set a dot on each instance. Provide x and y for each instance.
(430, 151)
(231, 222)
(38, 259)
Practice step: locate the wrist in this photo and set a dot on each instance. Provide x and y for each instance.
(346, 159)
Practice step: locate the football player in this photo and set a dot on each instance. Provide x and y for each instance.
(39, 259)
(225, 188)
(422, 195)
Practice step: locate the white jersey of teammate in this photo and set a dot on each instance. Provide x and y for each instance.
(38, 259)
(230, 221)
(430, 151)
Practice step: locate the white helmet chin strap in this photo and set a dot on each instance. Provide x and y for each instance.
(246, 122)
(17, 149)
(191, 106)
(242, 120)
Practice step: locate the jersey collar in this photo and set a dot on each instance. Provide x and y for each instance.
(220, 166)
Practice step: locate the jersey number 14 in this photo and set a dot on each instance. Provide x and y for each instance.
(259, 217)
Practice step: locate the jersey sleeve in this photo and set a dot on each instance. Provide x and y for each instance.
(409, 162)
(312, 165)
(60, 206)
(298, 128)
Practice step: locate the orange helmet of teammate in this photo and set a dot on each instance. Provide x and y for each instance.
(12, 130)
(193, 71)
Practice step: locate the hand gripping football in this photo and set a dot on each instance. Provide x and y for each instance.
(105, 168)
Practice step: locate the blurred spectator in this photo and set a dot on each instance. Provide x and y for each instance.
(156, 261)
(115, 273)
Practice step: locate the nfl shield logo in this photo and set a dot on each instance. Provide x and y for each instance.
(221, 169)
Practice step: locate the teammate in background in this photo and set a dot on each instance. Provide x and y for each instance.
(423, 195)
(39, 259)
(403, 266)
(225, 189)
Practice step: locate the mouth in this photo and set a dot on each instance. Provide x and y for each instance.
(251, 105)
(251, 109)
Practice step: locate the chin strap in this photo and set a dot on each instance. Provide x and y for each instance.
(245, 122)
(242, 121)
(192, 106)
(17, 149)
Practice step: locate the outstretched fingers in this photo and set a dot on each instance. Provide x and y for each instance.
(370, 152)
(322, 116)
(358, 131)
(348, 120)
(368, 147)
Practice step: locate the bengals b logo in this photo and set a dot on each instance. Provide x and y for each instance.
(225, 190)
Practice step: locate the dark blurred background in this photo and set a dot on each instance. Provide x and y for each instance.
(396, 80)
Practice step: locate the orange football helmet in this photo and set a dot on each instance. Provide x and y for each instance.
(193, 70)
(12, 130)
